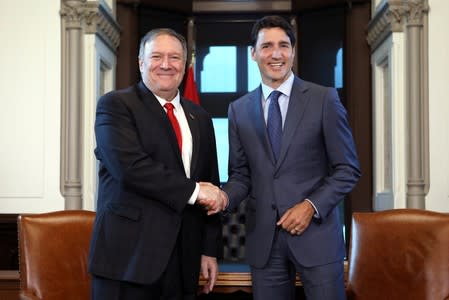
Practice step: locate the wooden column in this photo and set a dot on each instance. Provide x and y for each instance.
(357, 83)
(72, 14)
(417, 103)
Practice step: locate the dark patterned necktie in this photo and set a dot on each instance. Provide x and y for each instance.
(174, 123)
(274, 124)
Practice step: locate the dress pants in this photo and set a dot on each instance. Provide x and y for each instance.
(168, 287)
(277, 279)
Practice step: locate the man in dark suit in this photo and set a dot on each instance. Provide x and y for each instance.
(152, 233)
(292, 156)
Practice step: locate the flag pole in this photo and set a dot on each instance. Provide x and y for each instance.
(190, 88)
(190, 39)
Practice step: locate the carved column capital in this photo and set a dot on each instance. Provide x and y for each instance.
(396, 14)
(73, 12)
(415, 10)
(92, 18)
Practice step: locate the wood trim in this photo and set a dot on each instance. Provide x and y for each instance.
(227, 282)
(358, 95)
(230, 282)
(8, 246)
(9, 285)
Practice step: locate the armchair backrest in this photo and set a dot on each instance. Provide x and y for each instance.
(399, 254)
(53, 250)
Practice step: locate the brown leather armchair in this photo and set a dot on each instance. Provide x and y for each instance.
(53, 249)
(399, 254)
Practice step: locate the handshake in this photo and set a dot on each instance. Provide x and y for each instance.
(212, 198)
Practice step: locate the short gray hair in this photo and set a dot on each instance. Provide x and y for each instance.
(151, 35)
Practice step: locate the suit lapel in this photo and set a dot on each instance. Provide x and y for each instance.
(159, 113)
(299, 100)
(195, 132)
(256, 111)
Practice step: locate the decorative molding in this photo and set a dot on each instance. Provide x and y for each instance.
(393, 16)
(409, 17)
(395, 13)
(102, 23)
(378, 29)
(78, 18)
(385, 159)
(242, 6)
(389, 18)
(73, 12)
(416, 9)
(94, 18)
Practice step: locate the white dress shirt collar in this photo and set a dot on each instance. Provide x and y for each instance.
(176, 101)
(285, 87)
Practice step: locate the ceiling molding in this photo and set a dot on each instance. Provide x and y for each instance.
(241, 6)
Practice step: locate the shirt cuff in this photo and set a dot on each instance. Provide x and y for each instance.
(195, 193)
(227, 203)
(316, 214)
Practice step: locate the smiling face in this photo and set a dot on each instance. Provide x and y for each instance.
(274, 55)
(162, 65)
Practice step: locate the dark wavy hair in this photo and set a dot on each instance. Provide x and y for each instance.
(272, 22)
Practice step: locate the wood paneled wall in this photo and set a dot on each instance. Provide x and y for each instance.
(9, 264)
(8, 245)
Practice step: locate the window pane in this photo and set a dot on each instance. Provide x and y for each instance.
(219, 70)
(253, 72)
(338, 70)
(221, 136)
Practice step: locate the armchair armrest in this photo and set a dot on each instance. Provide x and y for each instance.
(27, 296)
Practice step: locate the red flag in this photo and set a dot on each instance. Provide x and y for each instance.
(190, 90)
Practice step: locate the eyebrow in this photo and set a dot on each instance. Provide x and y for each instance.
(272, 43)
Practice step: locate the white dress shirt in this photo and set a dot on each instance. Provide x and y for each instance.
(187, 142)
(283, 100)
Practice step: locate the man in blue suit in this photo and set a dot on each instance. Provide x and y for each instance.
(152, 234)
(292, 156)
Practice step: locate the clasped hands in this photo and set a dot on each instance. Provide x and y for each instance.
(212, 198)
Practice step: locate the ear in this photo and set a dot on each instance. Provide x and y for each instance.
(253, 53)
(140, 62)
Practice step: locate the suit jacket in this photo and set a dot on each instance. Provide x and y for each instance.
(317, 161)
(142, 208)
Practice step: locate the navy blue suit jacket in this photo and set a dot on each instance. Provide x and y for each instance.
(143, 189)
(317, 161)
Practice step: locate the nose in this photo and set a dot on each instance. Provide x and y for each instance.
(165, 62)
(276, 53)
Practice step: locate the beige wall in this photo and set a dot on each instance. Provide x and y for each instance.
(30, 110)
(438, 197)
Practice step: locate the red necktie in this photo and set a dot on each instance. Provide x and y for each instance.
(174, 123)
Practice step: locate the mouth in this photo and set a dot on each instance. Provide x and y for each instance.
(165, 75)
(276, 65)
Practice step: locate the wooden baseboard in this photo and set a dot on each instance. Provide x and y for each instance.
(9, 250)
(9, 285)
(227, 282)
(230, 282)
